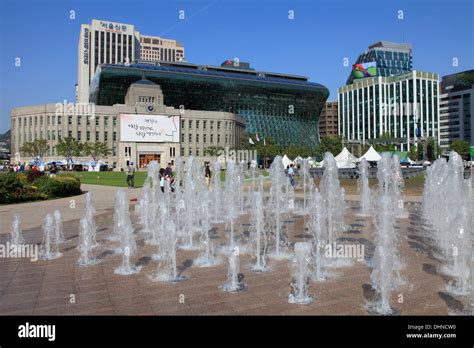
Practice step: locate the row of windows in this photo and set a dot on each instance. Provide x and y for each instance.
(166, 54)
(197, 138)
(197, 124)
(58, 134)
(53, 151)
(142, 99)
(53, 120)
(107, 43)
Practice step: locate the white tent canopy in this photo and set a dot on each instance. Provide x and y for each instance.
(298, 160)
(371, 155)
(345, 159)
(286, 161)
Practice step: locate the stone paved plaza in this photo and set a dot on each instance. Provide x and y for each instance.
(46, 287)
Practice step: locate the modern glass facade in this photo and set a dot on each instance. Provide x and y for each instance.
(285, 107)
(405, 107)
(391, 58)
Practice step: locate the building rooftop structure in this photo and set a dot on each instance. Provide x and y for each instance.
(283, 106)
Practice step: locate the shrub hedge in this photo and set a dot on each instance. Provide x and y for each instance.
(28, 186)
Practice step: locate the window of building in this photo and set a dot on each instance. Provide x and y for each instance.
(114, 136)
(190, 124)
(69, 120)
(212, 138)
(79, 120)
(106, 121)
(88, 134)
(197, 124)
(96, 121)
(218, 138)
(190, 137)
(79, 135)
(59, 120)
(96, 136)
(218, 125)
(114, 121)
(197, 138)
(204, 124)
(204, 138)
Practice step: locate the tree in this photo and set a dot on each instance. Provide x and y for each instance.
(330, 144)
(265, 148)
(462, 147)
(294, 150)
(384, 143)
(413, 153)
(35, 149)
(213, 151)
(96, 150)
(69, 147)
(432, 149)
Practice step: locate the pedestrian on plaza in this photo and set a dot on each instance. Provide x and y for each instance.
(291, 175)
(162, 174)
(131, 175)
(207, 173)
(168, 172)
(54, 169)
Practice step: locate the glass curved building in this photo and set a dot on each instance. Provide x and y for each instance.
(285, 107)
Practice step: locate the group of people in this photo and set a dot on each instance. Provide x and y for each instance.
(19, 167)
(165, 174)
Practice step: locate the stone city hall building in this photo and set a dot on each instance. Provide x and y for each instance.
(139, 130)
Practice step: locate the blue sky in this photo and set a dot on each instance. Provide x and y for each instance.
(313, 44)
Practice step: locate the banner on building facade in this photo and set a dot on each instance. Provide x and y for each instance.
(149, 128)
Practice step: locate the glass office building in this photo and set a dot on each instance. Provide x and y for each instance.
(284, 107)
(391, 58)
(406, 107)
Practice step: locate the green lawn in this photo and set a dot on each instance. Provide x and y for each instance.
(110, 178)
(413, 186)
(120, 179)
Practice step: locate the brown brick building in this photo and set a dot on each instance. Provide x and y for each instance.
(328, 120)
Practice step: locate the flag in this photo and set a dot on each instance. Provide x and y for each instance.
(251, 141)
(256, 136)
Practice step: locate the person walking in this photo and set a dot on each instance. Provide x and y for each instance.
(207, 173)
(168, 172)
(291, 176)
(162, 173)
(131, 175)
(54, 169)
